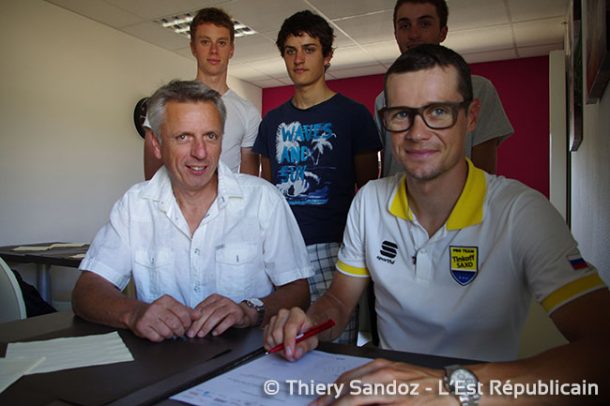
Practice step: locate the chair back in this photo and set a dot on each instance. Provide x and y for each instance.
(12, 306)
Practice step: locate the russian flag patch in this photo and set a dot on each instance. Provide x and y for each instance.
(577, 262)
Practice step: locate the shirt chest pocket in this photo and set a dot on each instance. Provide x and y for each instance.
(153, 274)
(238, 267)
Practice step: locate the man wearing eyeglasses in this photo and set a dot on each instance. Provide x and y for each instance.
(455, 255)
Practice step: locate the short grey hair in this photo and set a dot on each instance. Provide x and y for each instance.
(182, 91)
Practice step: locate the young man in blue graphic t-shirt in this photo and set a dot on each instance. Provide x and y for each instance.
(317, 148)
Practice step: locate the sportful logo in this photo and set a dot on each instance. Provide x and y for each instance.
(388, 252)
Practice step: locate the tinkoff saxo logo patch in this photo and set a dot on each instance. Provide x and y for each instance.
(464, 263)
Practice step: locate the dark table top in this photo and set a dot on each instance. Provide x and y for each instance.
(159, 370)
(54, 256)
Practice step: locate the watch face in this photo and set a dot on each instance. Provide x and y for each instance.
(463, 375)
(464, 384)
(256, 302)
(139, 115)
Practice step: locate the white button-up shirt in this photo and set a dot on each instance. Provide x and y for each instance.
(248, 242)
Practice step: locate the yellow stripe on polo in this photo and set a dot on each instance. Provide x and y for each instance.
(352, 270)
(468, 210)
(399, 206)
(575, 288)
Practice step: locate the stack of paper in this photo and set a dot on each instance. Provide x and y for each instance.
(273, 380)
(63, 353)
(12, 369)
(47, 247)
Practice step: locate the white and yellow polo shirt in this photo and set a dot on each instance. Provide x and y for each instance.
(465, 291)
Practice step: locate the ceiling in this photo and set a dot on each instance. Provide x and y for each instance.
(481, 30)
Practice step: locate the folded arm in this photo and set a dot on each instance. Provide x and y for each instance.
(250, 163)
(484, 156)
(366, 167)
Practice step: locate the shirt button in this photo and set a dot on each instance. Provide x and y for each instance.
(196, 251)
(196, 288)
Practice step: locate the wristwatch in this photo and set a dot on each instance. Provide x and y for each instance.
(257, 305)
(463, 384)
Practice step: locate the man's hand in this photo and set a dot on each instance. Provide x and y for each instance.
(423, 385)
(164, 318)
(218, 313)
(284, 328)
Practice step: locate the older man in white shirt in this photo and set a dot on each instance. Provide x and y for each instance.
(207, 249)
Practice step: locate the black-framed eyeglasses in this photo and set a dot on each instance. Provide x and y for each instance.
(438, 116)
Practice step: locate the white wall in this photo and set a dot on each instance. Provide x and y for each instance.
(248, 91)
(591, 185)
(589, 194)
(68, 147)
(558, 138)
(539, 332)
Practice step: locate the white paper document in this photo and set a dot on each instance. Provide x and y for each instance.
(271, 380)
(72, 352)
(48, 247)
(12, 369)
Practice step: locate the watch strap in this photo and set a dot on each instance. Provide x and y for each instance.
(259, 306)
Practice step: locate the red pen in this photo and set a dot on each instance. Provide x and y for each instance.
(305, 335)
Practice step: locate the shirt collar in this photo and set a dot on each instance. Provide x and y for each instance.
(468, 210)
(159, 189)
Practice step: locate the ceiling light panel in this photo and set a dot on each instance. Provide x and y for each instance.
(180, 24)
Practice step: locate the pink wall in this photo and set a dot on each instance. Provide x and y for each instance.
(363, 89)
(523, 86)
